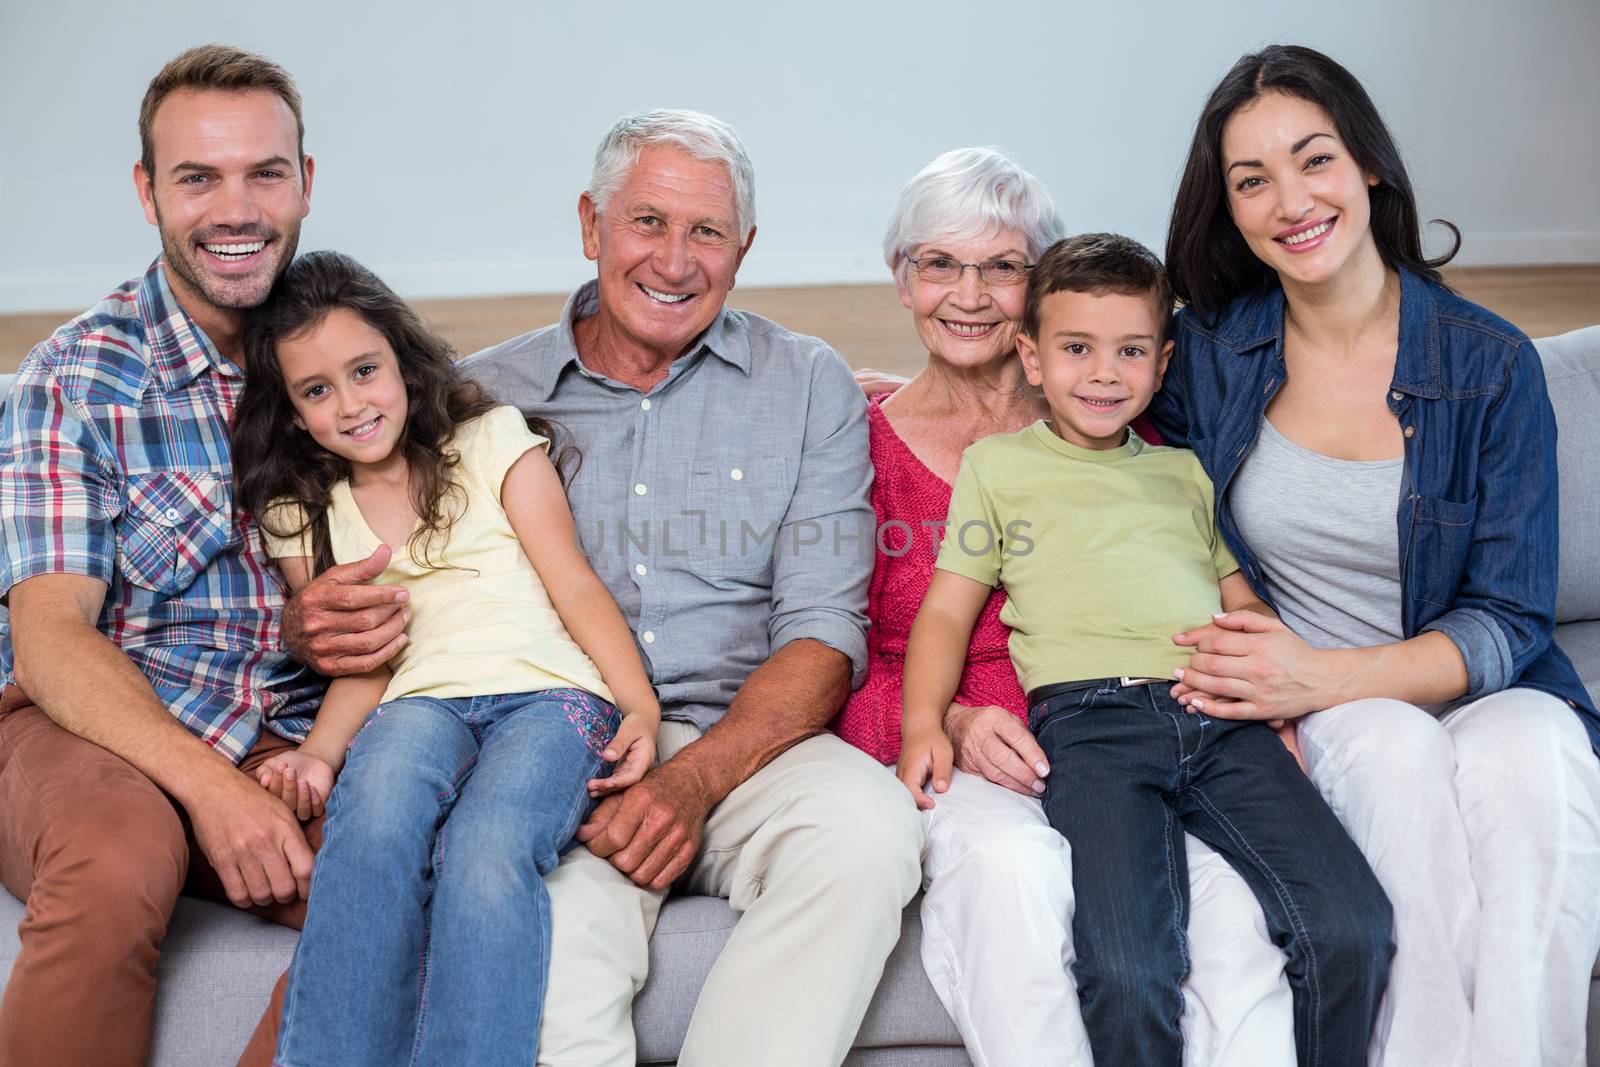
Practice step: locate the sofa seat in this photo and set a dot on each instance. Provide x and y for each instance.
(218, 965)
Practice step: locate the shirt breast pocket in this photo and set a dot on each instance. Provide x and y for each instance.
(175, 524)
(1441, 544)
(734, 517)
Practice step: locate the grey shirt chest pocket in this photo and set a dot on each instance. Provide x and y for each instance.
(174, 525)
(734, 516)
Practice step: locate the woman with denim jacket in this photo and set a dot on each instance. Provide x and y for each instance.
(1384, 459)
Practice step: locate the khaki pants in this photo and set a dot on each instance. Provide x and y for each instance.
(99, 854)
(818, 853)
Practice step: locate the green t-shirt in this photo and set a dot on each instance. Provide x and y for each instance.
(1104, 555)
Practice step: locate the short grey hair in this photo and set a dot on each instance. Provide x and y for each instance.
(699, 134)
(970, 192)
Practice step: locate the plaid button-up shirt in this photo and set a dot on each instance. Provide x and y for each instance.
(115, 464)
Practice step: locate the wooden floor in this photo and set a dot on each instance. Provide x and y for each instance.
(867, 324)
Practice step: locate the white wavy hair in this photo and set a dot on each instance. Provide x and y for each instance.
(699, 134)
(970, 192)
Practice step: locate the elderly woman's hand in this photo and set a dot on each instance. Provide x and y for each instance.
(990, 741)
(1249, 666)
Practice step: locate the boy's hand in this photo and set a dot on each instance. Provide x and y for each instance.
(632, 750)
(299, 779)
(925, 754)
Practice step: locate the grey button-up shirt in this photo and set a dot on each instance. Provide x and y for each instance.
(726, 509)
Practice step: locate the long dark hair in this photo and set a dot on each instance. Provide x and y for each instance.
(1207, 258)
(275, 461)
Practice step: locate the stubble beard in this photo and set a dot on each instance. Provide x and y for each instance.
(231, 294)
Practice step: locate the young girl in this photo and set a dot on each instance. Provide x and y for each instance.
(428, 937)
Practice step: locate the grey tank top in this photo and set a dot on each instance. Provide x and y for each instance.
(1324, 532)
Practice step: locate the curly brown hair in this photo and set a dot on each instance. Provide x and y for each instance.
(274, 461)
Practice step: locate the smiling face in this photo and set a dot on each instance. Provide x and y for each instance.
(227, 194)
(1097, 359)
(966, 323)
(344, 382)
(1296, 194)
(667, 246)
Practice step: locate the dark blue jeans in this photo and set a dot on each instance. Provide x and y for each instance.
(1131, 770)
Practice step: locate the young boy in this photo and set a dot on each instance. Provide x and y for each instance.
(1107, 547)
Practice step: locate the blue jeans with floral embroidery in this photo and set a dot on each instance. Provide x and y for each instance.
(427, 939)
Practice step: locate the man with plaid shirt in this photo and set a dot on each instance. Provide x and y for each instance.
(142, 671)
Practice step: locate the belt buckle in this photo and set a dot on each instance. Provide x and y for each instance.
(1129, 681)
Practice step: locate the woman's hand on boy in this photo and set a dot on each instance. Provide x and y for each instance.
(925, 755)
(339, 625)
(1250, 666)
(299, 779)
(632, 751)
(992, 742)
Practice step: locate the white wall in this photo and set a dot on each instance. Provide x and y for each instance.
(452, 139)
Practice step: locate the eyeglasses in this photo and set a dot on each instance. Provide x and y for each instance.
(943, 270)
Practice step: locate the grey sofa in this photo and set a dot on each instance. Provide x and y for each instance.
(218, 964)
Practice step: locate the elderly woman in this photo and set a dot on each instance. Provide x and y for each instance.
(997, 912)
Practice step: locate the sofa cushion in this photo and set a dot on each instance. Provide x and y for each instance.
(1581, 642)
(1572, 374)
(218, 964)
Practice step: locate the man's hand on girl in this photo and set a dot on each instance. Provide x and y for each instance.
(301, 780)
(926, 754)
(632, 750)
(339, 625)
(650, 831)
(259, 852)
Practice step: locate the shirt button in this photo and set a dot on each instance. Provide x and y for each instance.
(1398, 395)
(645, 403)
(649, 637)
(1410, 432)
(736, 474)
(639, 490)
(640, 569)
(173, 515)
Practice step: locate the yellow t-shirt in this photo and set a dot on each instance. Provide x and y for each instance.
(481, 622)
(1104, 555)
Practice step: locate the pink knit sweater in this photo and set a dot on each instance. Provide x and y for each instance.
(905, 490)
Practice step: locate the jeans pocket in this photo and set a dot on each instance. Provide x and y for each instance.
(1062, 708)
(597, 720)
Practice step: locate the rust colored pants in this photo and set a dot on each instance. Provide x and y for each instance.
(100, 855)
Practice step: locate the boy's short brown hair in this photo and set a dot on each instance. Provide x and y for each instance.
(1098, 263)
(220, 67)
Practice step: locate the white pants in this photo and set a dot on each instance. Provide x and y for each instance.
(997, 942)
(817, 852)
(1484, 828)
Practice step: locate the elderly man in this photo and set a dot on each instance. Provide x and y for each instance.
(722, 497)
(141, 666)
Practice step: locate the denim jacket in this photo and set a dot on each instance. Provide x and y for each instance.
(1477, 514)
